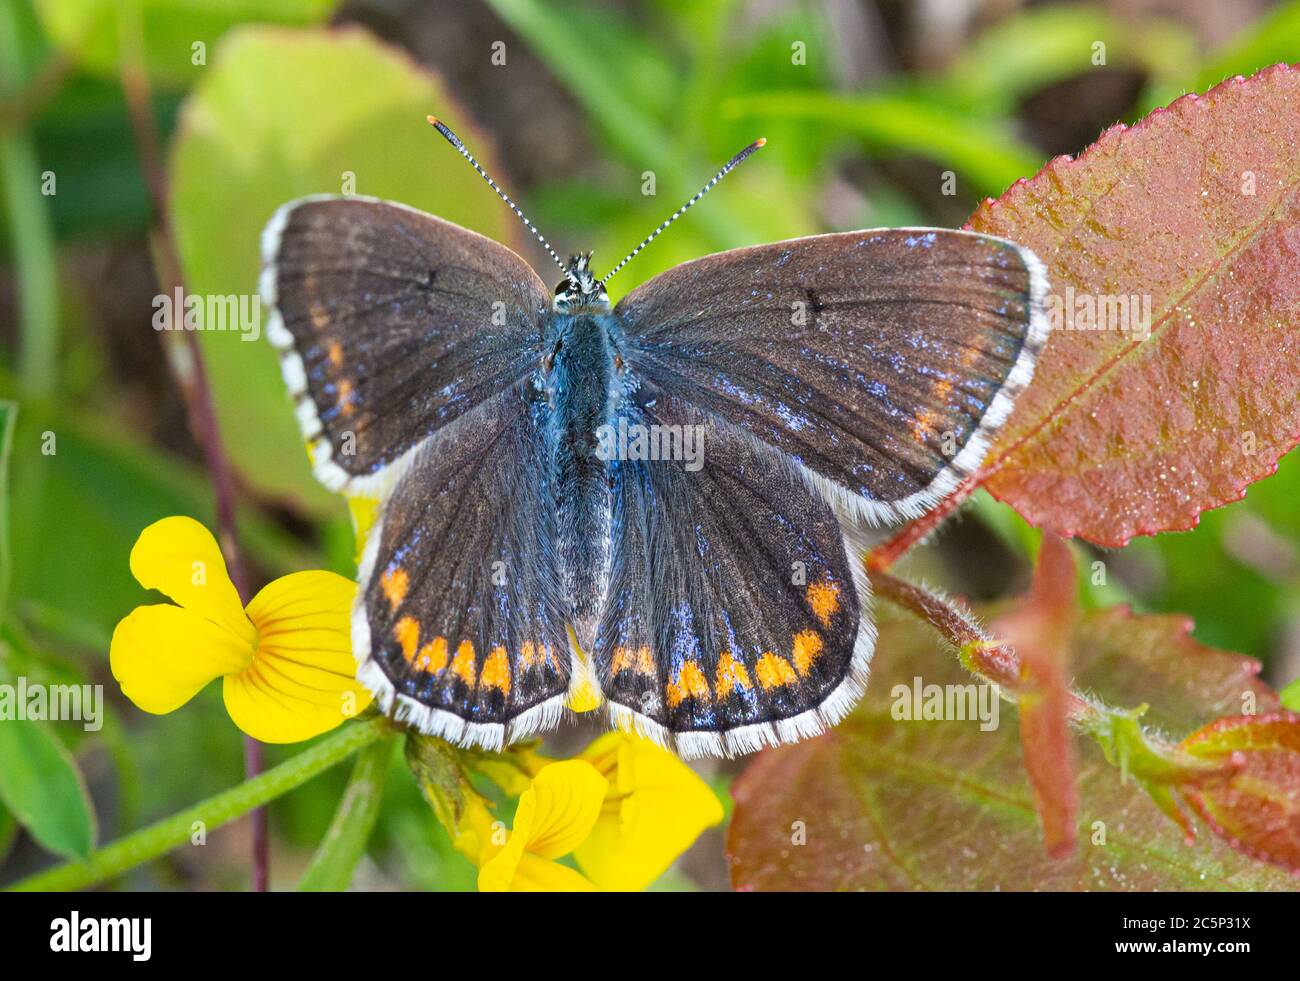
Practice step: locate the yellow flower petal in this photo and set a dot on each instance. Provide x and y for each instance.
(542, 875)
(559, 809)
(497, 874)
(179, 557)
(554, 815)
(659, 807)
(163, 655)
(476, 831)
(513, 770)
(302, 681)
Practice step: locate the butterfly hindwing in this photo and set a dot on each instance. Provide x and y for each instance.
(459, 626)
(881, 361)
(734, 618)
(391, 324)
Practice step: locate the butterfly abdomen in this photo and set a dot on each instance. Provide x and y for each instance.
(580, 377)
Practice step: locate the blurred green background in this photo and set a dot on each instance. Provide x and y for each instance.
(600, 120)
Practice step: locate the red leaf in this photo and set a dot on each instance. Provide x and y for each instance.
(1197, 208)
(881, 803)
(1039, 629)
(1257, 808)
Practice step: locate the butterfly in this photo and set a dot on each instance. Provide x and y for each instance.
(657, 498)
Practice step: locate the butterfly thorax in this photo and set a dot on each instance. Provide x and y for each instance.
(581, 376)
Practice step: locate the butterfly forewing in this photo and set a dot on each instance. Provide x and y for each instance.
(733, 618)
(460, 627)
(391, 324)
(879, 360)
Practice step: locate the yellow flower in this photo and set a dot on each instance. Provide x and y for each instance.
(625, 809)
(657, 806)
(285, 662)
(554, 816)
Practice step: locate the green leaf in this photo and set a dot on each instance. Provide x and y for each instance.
(43, 787)
(280, 114)
(28, 225)
(983, 151)
(344, 844)
(1270, 39)
(88, 30)
(40, 783)
(1025, 52)
(1290, 696)
(599, 85)
(162, 836)
(8, 417)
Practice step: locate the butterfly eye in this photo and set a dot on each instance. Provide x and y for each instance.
(562, 288)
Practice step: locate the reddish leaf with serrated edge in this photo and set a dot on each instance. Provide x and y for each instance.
(1197, 208)
(881, 803)
(1129, 659)
(1257, 807)
(1039, 629)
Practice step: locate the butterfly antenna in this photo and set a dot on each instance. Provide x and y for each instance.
(727, 168)
(454, 140)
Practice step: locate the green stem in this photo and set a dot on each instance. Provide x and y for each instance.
(345, 842)
(157, 839)
(30, 233)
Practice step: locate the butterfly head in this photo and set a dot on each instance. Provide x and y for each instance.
(580, 288)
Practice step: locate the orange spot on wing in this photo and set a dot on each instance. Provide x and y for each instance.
(641, 660)
(690, 683)
(496, 671)
(432, 656)
(774, 671)
(925, 422)
(924, 425)
(824, 600)
(731, 675)
(550, 658)
(336, 354)
(407, 633)
(463, 665)
(320, 317)
(807, 646)
(346, 397)
(395, 583)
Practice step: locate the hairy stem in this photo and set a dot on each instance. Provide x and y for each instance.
(913, 533)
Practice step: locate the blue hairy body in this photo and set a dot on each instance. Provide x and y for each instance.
(581, 378)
